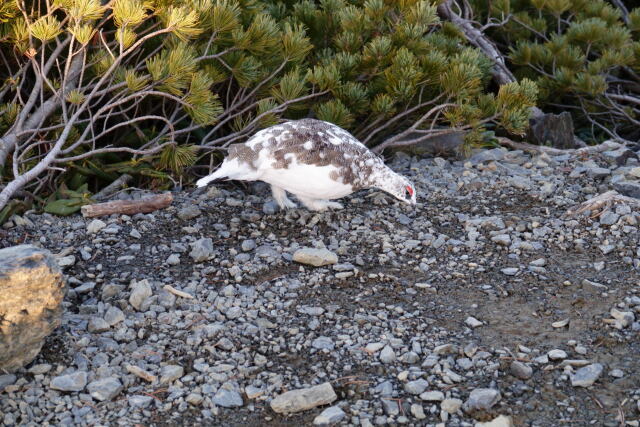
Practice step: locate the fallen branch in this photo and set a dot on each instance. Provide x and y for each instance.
(537, 149)
(128, 207)
(602, 203)
(112, 188)
(476, 37)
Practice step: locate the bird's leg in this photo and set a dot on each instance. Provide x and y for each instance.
(319, 204)
(281, 198)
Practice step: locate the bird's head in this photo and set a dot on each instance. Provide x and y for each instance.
(398, 186)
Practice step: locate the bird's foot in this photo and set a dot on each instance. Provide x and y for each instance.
(286, 203)
(320, 204)
(280, 196)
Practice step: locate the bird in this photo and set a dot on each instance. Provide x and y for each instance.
(314, 160)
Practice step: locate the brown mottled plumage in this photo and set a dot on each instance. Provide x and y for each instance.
(312, 159)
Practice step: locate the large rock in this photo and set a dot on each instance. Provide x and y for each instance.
(556, 129)
(31, 292)
(315, 257)
(303, 399)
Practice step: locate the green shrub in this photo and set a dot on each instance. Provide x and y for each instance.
(582, 56)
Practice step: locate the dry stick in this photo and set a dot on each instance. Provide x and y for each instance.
(602, 200)
(605, 146)
(128, 207)
(113, 187)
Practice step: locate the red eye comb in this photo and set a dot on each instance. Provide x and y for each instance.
(410, 190)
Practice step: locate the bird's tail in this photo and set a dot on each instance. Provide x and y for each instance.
(217, 175)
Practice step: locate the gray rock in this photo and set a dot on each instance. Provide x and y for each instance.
(586, 376)
(323, 343)
(494, 154)
(189, 212)
(227, 398)
(40, 369)
(303, 399)
(173, 259)
(139, 401)
(105, 388)
(499, 421)
(113, 316)
(32, 288)
(557, 354)
(202, 249)
(472, 322)
(628, 188)
(315, 257)
(329, 416)
(451, 406)
(598, 173)
(609, 218)
(482, 399)
(170, 373)
(387, 355)
(97, 325)
(521, 370)
(75, 381)
(66, 261)
(140, 291)
(510, 271)
(619, 156)
(390, 407)
(6, 380)
(502, 239)
(432, 396)
(418, 411)
(416, 387)
(95, 226)
(248, 245)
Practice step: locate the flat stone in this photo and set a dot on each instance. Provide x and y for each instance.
(6, 380)
(499, 421)
(472, 322)
(510, 271)
(482, 399)
(140, 291)
(585, 377)
(557, 354)
(432, 396)
(105, 388)
(97, 325)
(189, 212)
(628, 188)
(329, 416)
(40, 369)
(95, 226)
(75, 381)
(139, 401)
(32, 288)
(416, 387)
(170, 373)
(173, 259)
(315, 257)
(323, 343)
(303, 399)
(227, 398)
(502, 239)
(451, 406)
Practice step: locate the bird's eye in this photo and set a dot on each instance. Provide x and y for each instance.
(409, 193)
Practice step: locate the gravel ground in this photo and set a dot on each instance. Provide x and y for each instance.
(483, 302)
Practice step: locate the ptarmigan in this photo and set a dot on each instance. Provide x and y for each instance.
(314, 160)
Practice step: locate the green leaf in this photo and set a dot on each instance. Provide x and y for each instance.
(64, 207)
